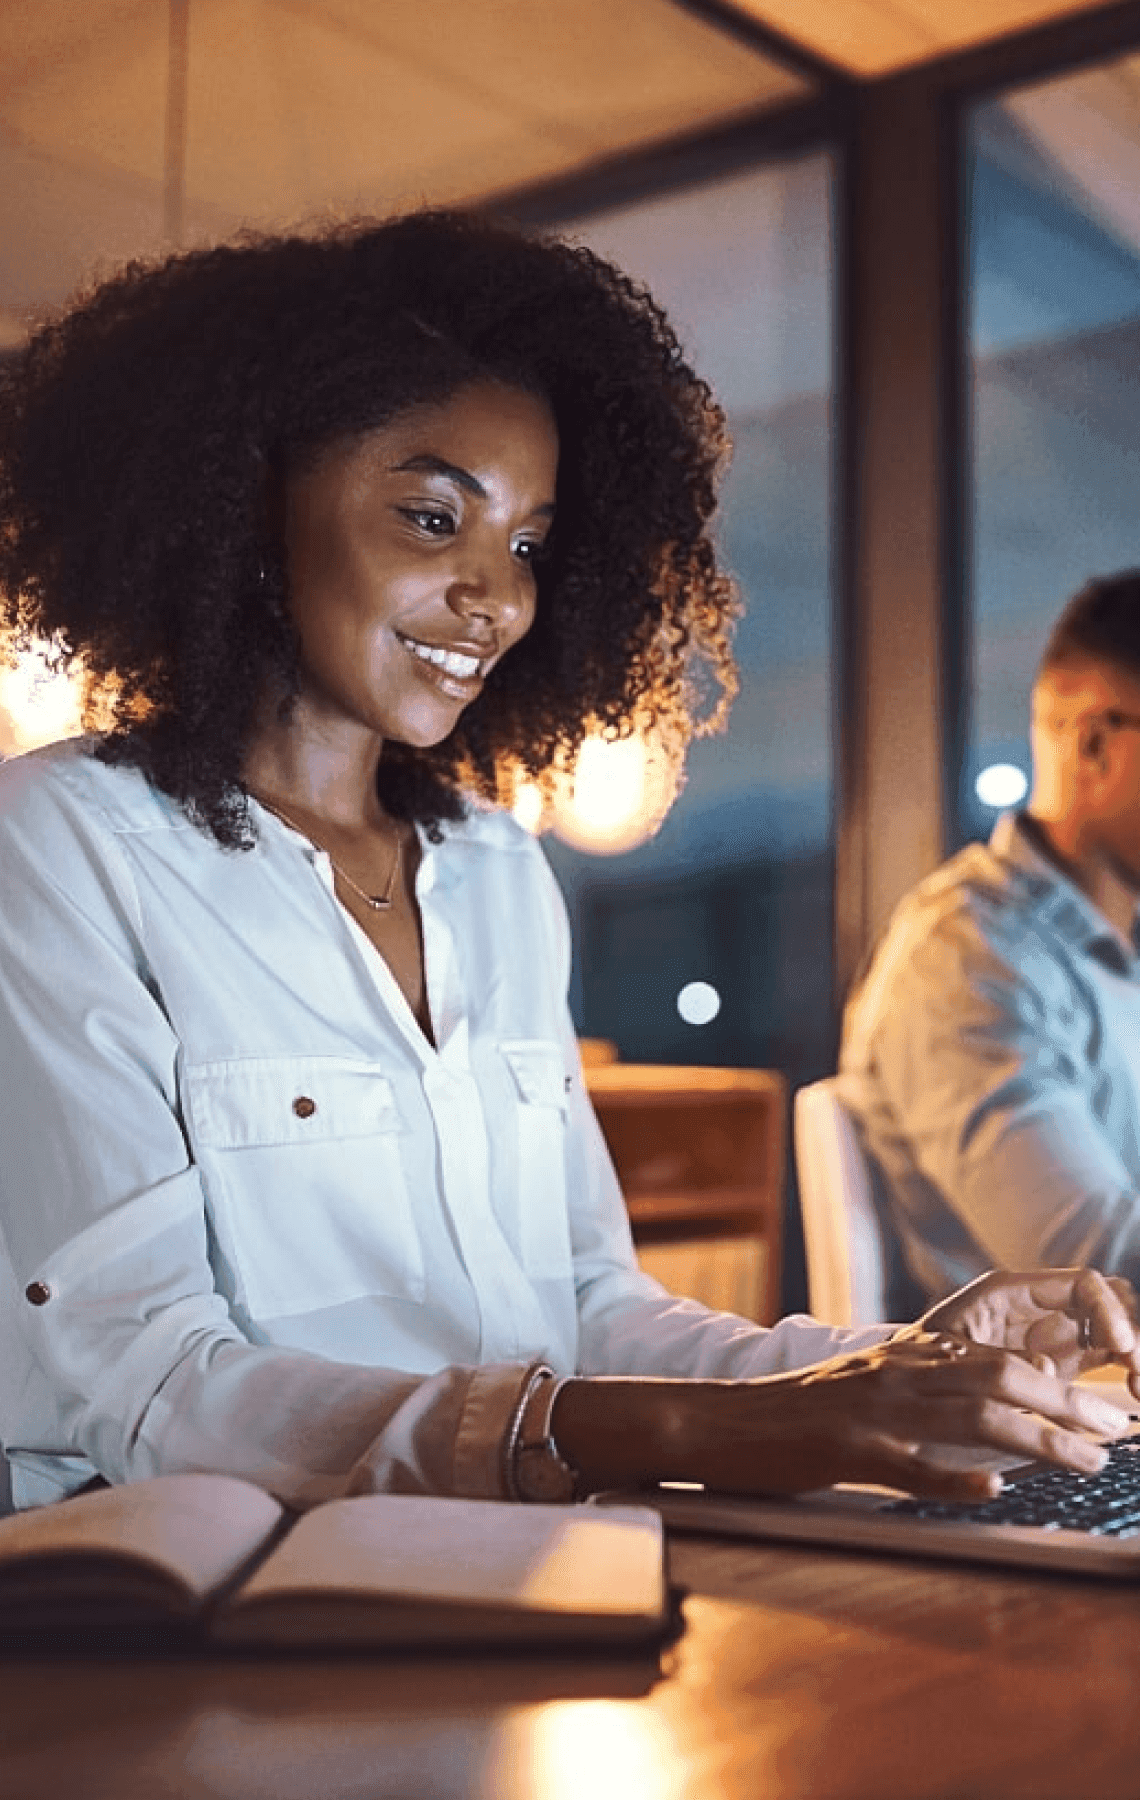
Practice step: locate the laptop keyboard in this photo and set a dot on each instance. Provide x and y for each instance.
(1104, 1505)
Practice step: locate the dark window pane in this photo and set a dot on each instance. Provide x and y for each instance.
(1055, 363)
(736, 889)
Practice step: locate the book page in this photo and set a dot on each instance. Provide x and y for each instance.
(184, 1535)
(478, 1565)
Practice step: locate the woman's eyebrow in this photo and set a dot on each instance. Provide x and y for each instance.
(427, 464)
(438, 465)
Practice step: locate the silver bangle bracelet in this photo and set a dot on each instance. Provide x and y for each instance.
(537, 1373)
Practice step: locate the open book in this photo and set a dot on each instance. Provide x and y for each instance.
(206, 1558)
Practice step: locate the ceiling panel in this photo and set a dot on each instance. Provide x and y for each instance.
(103, 96)
(876, 37)
(562, 59)
(295, 107)
(38, 37)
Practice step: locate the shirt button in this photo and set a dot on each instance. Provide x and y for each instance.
(37, 1293)
(304, 1107)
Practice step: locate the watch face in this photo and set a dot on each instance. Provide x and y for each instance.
(543, 1476)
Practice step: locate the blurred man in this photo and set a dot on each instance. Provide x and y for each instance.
(991, 1052)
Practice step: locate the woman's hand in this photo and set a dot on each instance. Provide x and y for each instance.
(886, 1416)
(991, 1379)
(879, 1416)
(1064, 1321)
(921, 1393)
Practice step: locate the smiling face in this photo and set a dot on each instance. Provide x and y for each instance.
(410, 554)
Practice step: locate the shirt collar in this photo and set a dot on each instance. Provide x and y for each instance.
(1056, 899)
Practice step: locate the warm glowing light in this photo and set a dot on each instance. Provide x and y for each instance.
(616, 794)
(698, 1003)
(609, 783)
(605, 1748)
(1002, 784)
(37, 704)
(529, 806)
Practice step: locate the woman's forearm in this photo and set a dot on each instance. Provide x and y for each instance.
(623, 1431)
(628, 1431)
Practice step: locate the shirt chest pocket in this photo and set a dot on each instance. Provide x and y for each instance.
(539, 1086)
(304, 1177)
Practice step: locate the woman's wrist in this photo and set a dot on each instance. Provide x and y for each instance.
(624, 1431)
(744, 1436)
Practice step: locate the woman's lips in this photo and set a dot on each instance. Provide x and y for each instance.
(457, 673)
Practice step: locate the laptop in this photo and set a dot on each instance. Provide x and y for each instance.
(1044, 1518)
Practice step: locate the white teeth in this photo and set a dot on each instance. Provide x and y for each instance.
(452, 662)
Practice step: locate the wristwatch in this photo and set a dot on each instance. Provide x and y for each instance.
(538, 1470)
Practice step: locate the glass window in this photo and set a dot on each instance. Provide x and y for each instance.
(734, 893)
(1054, 347)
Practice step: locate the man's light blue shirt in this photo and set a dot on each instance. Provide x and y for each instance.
(991, 1055)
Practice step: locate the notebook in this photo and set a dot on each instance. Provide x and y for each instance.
(207, 1560)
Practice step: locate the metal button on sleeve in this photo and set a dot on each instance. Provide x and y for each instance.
(37, 1293)
(304, 1106)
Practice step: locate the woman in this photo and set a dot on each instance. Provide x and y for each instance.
(299, 1180)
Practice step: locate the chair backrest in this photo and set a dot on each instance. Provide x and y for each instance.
(843, 1238)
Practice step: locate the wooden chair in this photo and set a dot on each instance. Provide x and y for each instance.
(700, 1156)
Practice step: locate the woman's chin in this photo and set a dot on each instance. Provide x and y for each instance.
(423, 730)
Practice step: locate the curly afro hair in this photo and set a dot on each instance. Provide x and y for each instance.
(145, 435)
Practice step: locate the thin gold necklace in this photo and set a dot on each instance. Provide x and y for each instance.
(378, 902)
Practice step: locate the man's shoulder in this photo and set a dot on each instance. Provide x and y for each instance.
(980, 913)
(978, 924)
(976, 888)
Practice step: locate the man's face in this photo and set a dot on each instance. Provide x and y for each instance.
(1108, 749)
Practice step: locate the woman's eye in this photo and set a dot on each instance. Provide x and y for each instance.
(435, 521)
(529, 550)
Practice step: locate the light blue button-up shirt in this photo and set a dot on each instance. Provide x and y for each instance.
(991, 1055)
(272, 1229)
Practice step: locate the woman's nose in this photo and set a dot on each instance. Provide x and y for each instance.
(490, 587)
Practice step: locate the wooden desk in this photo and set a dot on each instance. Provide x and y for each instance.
(699, 1154)
(801, 1677)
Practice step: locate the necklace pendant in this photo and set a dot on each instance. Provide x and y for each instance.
(376, 902)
